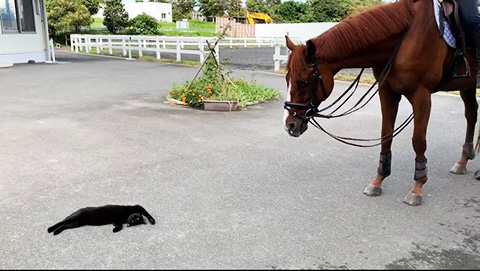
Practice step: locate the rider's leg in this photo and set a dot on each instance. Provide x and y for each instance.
(468, 10)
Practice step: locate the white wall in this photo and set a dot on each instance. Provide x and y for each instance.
(22, 47)
(153, 9)
(303, 31)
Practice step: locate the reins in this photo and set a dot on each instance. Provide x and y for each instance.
(359, 106)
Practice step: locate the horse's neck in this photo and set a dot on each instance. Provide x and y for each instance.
(417, 38)
(374, 56)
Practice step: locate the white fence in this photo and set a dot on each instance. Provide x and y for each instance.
(140, 44)
(176, 45)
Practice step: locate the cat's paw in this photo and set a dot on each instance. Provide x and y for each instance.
(152, 221)
(117, 229)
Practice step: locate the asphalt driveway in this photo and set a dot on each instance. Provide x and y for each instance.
(228, 190)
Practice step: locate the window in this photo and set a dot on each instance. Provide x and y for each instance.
(27, 21)
(164, 15)
(17, 16)
(8, 13)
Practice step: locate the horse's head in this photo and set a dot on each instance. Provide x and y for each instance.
(309, 82)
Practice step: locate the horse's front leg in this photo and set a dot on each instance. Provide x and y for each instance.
(389, 101)
(468, 152)
(421, 103)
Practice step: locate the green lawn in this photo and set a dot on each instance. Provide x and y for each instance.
(97, 23)
(197, 28)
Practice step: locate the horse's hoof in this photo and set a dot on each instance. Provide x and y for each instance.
(372, 191)
(458, 169)
(412, 199)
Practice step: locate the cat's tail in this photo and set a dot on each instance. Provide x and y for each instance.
(144, 212)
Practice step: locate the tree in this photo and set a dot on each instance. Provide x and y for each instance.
(92, 5)
(115, 16)
(182, 9)
(234, 8)
(212, 7)
(65, 15)
(357, 6)
(291, 12)
(327, 10)
(257, 6)
(271, 4)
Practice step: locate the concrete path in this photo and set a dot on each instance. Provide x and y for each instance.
(228, 190)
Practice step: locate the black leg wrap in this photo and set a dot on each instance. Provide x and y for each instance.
(420, 169)
(384, 165)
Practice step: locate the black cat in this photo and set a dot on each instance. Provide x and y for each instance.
(104, 215)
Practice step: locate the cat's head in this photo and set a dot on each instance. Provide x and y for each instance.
(135, 219)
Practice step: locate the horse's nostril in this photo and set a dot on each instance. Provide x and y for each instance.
(291, 126)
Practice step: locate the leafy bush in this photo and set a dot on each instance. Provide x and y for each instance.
(213, 85)
(65, 16)
(143, 24)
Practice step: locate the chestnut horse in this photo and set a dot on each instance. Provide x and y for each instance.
(408, 29)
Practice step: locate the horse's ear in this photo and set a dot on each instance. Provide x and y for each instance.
(311, 49)
(289, 43)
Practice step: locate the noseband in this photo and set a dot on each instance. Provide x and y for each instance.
(310, 109)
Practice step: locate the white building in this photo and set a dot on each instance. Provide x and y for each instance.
(160, 11)
(23, 32)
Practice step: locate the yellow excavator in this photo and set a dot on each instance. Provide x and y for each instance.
(257, 17)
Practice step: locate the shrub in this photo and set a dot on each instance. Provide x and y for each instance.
(213, 85)
(143, 24)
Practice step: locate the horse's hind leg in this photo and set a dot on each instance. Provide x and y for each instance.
(389, 103)
(468, 152)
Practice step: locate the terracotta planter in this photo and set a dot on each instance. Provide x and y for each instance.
(214, 105)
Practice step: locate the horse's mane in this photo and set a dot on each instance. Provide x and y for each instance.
(360, 31)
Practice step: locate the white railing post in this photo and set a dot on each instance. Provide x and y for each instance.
(157, 46)
(110, 49)
(217, 53)
(87, 44)
(179, 58)
(139, 40)
(276, 58)
(202, 50)
(72, 43)
(124, 46)
(52, 50)
(130, 47)
(98, 44)
(80, 43)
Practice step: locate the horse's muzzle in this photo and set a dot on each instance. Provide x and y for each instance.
(295, 127)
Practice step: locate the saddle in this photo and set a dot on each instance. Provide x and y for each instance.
(448, 12)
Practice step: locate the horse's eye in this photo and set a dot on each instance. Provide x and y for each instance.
(302, 84)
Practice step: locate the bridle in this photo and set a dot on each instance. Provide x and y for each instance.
(311, 109)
